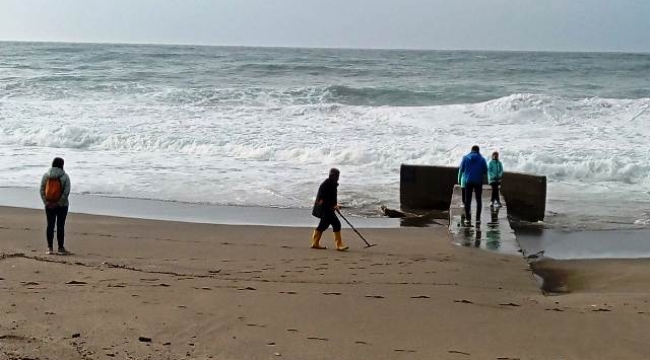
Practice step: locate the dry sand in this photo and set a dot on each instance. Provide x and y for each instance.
(245, 292)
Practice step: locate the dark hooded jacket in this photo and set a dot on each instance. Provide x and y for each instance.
(326, 199)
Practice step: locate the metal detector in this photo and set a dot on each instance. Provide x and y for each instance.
(356, 231)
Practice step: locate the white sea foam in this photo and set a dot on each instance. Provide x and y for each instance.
(272, 152)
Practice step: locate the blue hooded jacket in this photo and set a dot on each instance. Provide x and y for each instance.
(473, 167)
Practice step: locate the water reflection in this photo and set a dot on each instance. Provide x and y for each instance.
(493, 233)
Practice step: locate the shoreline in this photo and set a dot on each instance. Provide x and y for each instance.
(185, 212)
(553, 243)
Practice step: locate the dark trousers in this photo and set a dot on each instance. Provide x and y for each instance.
(329, 218)
(495, 192)
(56, 215)
(469, 190)
(462, 195)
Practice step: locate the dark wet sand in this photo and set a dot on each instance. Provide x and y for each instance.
(186, 212)
(146, 289)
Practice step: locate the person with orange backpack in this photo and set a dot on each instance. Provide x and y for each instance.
(55, 189)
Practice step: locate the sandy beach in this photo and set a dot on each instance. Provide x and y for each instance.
(145, 289)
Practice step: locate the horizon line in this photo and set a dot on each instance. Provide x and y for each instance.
(414, 49)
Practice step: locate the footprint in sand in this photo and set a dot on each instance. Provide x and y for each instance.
(292, 330)
(75, 282)
(361, 342)
(317, 338)
(331, 293)
(287, 292)
(374, 296)
(404, 350)
(463, 301)
(458, 352)
(420, 297)
(510, 304)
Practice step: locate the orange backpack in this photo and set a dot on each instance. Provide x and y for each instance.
(53, 190)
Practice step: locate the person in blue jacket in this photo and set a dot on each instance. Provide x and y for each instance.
(473, 168)
(495, 174)
(461, 182)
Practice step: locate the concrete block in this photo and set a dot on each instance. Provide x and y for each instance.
(431, 187)
(525, 195)
(427, 187)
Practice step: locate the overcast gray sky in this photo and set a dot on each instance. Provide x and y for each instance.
(573, 25)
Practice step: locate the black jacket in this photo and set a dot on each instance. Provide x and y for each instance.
(326, 199)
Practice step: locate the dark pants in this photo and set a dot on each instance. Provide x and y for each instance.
(329, 218)
(495, 192)
(462, 195)
(56, 215)
(478, 190)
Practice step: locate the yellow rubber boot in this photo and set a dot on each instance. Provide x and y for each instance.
(339, 242)
(315, 240)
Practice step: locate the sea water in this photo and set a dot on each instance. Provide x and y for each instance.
(262, 126)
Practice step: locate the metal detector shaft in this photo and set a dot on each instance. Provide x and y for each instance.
(355, 230)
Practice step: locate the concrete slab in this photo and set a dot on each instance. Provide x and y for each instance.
(431, 187)
(494, 232)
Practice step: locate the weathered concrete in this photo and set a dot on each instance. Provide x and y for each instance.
(431, 187)
(525, 195)
(427, 187)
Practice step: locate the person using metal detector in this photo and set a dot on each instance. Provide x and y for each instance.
(325, 208)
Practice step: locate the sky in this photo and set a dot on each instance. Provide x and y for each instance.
(527, 25)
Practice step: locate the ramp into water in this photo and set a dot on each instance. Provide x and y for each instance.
(493, 233)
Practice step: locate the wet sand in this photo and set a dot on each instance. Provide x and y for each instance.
(144, 289)
(184, 212)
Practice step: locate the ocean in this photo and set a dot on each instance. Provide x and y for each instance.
(261, 126)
